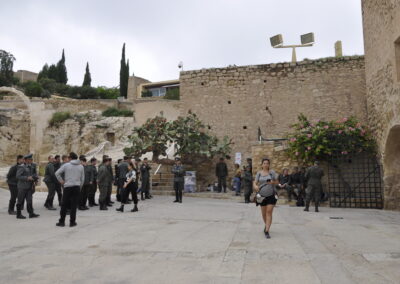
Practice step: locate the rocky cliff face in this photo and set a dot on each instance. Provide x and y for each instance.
(85, 131)
(14, 134)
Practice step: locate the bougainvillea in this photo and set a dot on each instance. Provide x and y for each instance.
(320, 140)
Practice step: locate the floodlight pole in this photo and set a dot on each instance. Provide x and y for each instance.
(293, 47)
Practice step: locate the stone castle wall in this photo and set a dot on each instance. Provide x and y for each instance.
(236, 101)
(381, 22)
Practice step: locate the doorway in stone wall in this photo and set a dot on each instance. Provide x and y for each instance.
(110, 136)
(355, 181)
(391, 164)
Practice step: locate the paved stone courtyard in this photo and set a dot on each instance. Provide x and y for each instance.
(200, 241)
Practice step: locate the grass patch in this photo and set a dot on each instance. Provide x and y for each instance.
(117, 112)
(58, 118)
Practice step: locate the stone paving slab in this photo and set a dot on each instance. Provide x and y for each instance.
(200, 241)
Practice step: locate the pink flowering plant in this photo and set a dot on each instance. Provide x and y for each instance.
(323, 139)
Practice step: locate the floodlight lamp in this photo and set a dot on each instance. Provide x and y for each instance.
(307, 38)
(276, 40)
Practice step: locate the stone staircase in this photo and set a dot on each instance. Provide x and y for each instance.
(162, 182)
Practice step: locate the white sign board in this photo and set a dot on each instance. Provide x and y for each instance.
(238, 158)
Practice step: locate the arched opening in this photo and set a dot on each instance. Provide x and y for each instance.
(391, 165)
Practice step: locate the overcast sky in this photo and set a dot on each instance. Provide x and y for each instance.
(158, 34)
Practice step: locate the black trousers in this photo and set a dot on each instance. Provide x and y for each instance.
(178, 187)
(109, 191)
(51, 188)
(13, 198)
(313, 192)
(130, 189)
(92, 193)
(58, 189)
(84, 194)
(221, 183)
(146, 186)
(70, 201)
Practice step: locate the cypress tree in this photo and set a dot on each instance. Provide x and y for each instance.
(53, 72)
(44, 73)
(123, 82)
(62, 70)
(127, 77)
(87, 80)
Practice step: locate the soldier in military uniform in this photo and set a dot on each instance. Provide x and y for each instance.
(93, 188)
(50, 180)
(179, 174)
(57, 165)
(145, 176)
(313, 176)
(26, 179)
(104, 179)
(12, 184)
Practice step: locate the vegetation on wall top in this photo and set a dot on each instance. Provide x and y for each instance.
(111, 112)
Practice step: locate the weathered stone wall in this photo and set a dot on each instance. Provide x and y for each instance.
(381, 21)
(236, 101)
(133, 84)
(14, 134)
(84, 132)
(150, 107)
(25, 76)
(72, 106)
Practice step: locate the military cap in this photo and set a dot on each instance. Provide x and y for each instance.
(28, 156)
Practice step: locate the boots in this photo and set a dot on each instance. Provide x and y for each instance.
(307, 206)
(120, 209)
(135, 209)
(316, 206)
(11, 208)
(103, 206)
(31, 213)
(19, 214)
(141, 195)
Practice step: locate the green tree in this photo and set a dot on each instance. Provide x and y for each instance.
(123, 75)
(6, 68)
(192, 142)
(53, 72)
(87, 80)
(62, 70)
(44, 73)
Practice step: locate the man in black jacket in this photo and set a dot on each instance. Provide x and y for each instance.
(50, 180)
(12, 185)
(221, 171)
(145, 176)
(57, 165)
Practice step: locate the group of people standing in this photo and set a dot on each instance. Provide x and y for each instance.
(75, 181)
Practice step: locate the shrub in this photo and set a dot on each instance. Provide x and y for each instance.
(34, 89)
(147, 94)
(117, 112)
(172, 94)
(58, 118)
(323, 139)
(107, 93)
